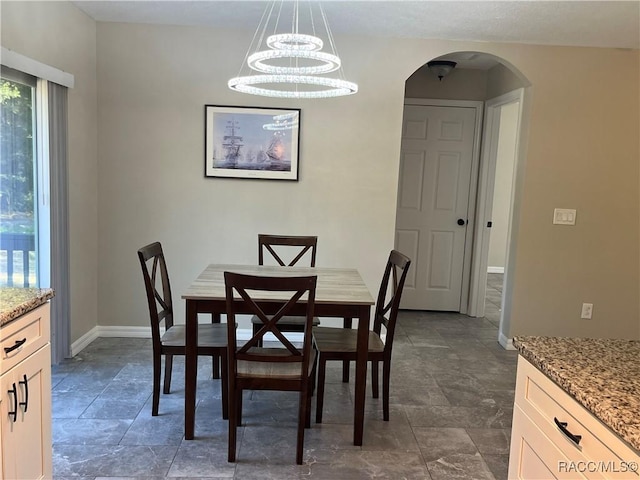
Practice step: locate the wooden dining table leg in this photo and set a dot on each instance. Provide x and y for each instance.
(348, 323)
(215, 318)
(191, 368)
(361, 373)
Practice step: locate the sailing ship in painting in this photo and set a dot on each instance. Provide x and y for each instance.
(232, 143)
(235, 154)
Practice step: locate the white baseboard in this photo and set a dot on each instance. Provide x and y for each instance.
(506, 343)
(125, 332)
(83, 341)
(97, 332)
(145, 332)
(495, 269)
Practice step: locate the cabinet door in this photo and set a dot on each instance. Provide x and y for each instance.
(26, 441)
(533, 456)
(8, 426)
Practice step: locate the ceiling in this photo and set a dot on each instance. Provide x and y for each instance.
(571, 23)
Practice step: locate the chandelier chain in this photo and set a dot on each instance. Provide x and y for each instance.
(313, 24)
(332, 43)
(266, 23)
(255, 34)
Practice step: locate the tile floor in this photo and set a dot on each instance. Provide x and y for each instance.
(452, 391)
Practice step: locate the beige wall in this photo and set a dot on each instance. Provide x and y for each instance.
(460, 84)
(60, 35)
(581, 152)
(501, 80)
(154, 82)
(502, 190)
(464, 83)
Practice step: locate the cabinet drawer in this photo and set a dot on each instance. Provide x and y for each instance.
(537, 457)
(544, 402)
(24, 336)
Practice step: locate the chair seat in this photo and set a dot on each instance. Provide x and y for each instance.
(283, 370)
(289, 320)
(209, 335)
(343, 340)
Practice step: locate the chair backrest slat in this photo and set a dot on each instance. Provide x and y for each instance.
(386, 311)
(304, 246)
(158, 291)
(269, 324)
(241, 291)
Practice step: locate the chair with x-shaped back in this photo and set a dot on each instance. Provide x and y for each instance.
(286, 251)
(340, 343)
(280, 366)
(212, 338)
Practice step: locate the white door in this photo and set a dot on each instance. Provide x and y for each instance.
(433, 201)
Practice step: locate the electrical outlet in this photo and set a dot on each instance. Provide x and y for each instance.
(587, 310)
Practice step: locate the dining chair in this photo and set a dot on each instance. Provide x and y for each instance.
(286, 250)
(340, 343)
(212, 338)
(280, 366)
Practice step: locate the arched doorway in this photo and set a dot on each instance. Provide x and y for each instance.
(487, 84)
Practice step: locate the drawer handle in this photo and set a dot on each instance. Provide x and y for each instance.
(563, 428)
(14, 390)
(25, 404)
(18, 344)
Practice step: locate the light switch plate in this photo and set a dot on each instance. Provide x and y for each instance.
(564, 216)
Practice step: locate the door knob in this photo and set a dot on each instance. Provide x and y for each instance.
(461, 222)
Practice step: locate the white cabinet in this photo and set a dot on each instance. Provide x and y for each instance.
(554, 437)
(25, 397)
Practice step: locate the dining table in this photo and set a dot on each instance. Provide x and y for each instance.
(340, 293)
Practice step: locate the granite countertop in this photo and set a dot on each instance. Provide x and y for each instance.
(603, 375)
(17, 301)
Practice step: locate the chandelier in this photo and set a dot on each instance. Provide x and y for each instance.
(291, 64)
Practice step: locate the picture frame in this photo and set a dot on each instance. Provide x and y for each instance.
(252, 142)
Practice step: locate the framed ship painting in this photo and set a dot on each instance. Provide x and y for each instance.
(251, 142)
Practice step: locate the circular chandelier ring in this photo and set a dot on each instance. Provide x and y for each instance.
(327, 62)
(336, 87)
(280, 125)
(294, 41)
(285, 116)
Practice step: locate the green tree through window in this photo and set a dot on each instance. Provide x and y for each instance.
(17, 184)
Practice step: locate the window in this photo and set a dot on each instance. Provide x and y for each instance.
(19, 192)
(33, 167)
